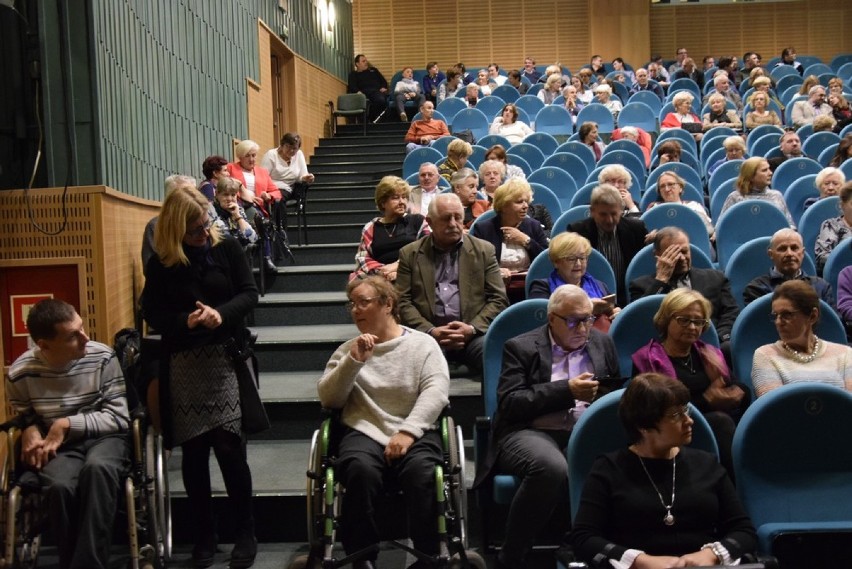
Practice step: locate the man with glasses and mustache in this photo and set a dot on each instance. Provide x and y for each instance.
(548, 379)
(786, 251)
(675, 270)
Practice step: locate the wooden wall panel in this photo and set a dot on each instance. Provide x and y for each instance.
(569, 31)
(813, 28)
(315, 87)
(104, 226)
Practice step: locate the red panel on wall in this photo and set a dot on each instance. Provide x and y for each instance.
(20, 287)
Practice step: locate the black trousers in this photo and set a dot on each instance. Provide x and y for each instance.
(362, 469)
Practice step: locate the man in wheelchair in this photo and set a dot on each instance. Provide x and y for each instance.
(391, 384)
(71, 392)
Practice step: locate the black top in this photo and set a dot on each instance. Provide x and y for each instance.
(366, 82)
(620, 508)
(389, 238)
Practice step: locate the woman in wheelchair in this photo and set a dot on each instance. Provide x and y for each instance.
(659, 503)
(390, 384)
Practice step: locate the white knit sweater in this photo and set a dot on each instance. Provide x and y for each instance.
(403, 386)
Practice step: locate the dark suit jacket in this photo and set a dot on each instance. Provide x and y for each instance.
(711, 283)
(481, 289)
(631, 234)
(490, 230)
(525, 391)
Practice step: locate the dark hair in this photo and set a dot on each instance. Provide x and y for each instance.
(211, 165)
(496, 67)
(706, 57)
(724, 62)
(513, 108)
(585, 129)
(748, 54)
(291, 139)
(460, 66)
(842, 151)
(645, 402)
(430, 65)
(787, 51)
(515, 74)
(498, 150)
(618, 59)
(359, 56)
(451, 74)
(665, 233)
(800, 293)
(669, 147)
(384, 289)
(45, 315)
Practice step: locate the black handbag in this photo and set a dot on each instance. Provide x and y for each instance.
(254, 417)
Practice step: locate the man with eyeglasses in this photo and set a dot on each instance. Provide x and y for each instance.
(678, 64)
(675, 270)
(786, 251)
(450, 284)
(617, 237)
(548, 379)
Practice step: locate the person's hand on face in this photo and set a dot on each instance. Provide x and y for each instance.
(667, 262)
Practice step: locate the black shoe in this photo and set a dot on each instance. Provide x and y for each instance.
(204, 552)
(269, 265)
(244, 552)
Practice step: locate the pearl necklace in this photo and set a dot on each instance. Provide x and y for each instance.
(800, 357)
(668, 519)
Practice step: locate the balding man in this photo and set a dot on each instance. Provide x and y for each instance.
(804, 112)
(426, 129)
(450, 284)
(423, 193)
(549, 377)
(644, 83)
(722, 85)
(674, 270)
(786, 251)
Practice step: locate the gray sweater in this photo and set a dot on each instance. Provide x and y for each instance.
(89, 391)
(403, 386)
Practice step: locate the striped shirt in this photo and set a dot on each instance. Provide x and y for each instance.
(89, 391)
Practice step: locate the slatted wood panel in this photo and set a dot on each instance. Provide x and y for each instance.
(813, 27)
(104, 226)
(393, 34)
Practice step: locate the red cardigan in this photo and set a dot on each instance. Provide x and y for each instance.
(262, 181)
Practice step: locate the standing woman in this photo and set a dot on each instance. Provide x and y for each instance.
(198, 291)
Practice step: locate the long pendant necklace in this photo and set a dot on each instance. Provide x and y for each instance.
(668, 519)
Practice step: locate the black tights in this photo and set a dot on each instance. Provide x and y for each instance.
(230, 450)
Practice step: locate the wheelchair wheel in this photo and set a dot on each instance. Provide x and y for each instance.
(23, 532)
(159, 511)
(454, 484)
(313, 492)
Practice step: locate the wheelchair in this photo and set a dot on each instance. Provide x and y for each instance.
(323, 504)
(145, 489)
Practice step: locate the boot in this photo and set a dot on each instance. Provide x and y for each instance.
(204, 550)
(245, 548)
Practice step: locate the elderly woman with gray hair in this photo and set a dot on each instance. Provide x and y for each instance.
(683, 117)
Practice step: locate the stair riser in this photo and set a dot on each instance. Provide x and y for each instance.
(377, 149)
(355, 214)
(294, 357)
(326, 256)
(299, 282)
(378, 157)
(342, 192)
(346, 204)
(357, 170)
(301, 314)
(350, 233)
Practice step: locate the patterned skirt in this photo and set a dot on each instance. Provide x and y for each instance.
(204, 392)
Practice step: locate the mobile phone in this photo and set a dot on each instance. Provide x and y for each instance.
(610, 298)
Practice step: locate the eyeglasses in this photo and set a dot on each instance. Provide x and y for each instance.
(201, 229)
(361, 303)
(573, 322)
(685, 322)
(785, 316)
(679, 415)
(574, 260)
(669, 185)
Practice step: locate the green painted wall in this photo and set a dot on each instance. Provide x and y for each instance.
(158, 85)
